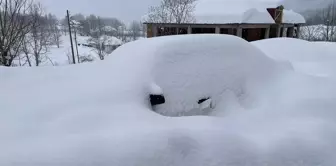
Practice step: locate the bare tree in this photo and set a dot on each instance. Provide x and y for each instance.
(100, 45)
(172, 11)
(84, 28)
(38, 41)
(312, 33)
(328, 16)
(15, 23)
(122, 33)
(113, 22)
(64, 25)
(135, 29)
(78, 17)
(93, 22)
(54, 30)
(99, 39)
(26, 50)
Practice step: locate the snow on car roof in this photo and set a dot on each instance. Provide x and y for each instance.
(193, 67)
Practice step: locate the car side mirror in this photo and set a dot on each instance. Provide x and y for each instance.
(157, 99)
(206, 103)
(203, 100)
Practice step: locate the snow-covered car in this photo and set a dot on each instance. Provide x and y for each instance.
(198, 73)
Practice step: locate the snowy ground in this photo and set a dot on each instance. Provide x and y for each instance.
(98, 113)
(62, 56)
(313, 58)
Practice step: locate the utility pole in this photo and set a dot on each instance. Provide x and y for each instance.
(72, 49)
(76, 45)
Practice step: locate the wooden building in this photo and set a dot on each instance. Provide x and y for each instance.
(274, 22)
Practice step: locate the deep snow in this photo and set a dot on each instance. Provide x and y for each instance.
(98, 113)
(313, 58)
(190, 68)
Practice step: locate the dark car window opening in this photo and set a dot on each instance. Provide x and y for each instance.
(203, 100)
(157, 99)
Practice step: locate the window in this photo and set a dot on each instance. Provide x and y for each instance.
(203, 30)
(224, 31)
(163, 31)
(183, 31)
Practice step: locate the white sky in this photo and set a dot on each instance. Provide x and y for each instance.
(127, 10)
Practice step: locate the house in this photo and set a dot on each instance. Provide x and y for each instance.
(251, 24)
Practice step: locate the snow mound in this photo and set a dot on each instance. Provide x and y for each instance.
(98, 114)
(313, 58)
(193, 67)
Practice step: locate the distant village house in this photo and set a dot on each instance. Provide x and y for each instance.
(250, 25)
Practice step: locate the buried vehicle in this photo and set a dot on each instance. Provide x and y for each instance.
(196, 74)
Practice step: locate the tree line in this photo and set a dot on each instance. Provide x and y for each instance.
(93, 25)
(23, 28)
(320, 24)
(27, 31)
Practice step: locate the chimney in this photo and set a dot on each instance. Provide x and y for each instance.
(276, 13)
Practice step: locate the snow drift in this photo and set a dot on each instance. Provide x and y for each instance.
(98, 114)
(313, 58)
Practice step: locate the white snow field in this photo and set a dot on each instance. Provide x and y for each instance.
(98, 113)
(313, 58)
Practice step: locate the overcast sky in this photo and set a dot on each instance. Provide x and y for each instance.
(128, 10)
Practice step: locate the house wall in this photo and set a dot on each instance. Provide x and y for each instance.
(253, 34)
(249, 32)
(150, 31)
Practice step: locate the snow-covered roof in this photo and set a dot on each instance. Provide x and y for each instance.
(111, 40)
(240, 11)
(108, 40)
(232, 11)
(109, 29)
(250, 16)
(292, 17)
